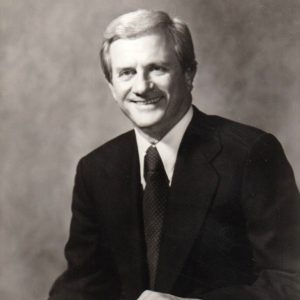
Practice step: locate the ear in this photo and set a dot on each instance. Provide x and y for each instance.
(111, 87)
(189, 78)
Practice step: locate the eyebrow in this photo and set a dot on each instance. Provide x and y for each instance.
(124, 68)
(164, 64)
(158, 63)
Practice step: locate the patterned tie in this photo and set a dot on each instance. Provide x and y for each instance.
(154, 204)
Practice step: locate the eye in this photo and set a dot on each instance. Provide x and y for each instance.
(126, 74)
(157, 69)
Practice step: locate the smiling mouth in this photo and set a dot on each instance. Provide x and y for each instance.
(147, 101)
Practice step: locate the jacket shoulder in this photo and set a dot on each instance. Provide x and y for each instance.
(114, 149)
(236, 133)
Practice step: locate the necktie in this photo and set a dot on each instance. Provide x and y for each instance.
(154, 204)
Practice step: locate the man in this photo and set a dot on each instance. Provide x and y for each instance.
(186, 205)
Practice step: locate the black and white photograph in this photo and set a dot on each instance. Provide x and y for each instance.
(150, 150)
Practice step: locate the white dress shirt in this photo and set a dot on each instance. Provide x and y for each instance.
(167, 147)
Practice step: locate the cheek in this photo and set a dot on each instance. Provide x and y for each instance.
(164, 84)
(120, 90)
(179, 85)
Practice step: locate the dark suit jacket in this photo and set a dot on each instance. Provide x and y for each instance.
(231, 228)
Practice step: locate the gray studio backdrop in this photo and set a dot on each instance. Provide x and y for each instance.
(56, 107)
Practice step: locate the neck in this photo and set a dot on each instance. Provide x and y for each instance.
(150, 136)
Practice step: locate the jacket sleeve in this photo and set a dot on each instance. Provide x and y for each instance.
(271, 205)
(90, 273)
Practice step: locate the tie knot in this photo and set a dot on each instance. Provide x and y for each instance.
(152, 160)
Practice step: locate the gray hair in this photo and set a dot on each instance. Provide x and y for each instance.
(141, 21)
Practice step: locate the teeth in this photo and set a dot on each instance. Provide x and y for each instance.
(149, 101)
(152, 100)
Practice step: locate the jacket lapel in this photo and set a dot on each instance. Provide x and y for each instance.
(124, 217)
(193, 187)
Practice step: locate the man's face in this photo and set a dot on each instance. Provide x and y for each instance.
(148, 82)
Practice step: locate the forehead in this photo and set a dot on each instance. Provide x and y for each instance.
(151, 47)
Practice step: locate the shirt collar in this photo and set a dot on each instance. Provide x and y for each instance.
(167, 147)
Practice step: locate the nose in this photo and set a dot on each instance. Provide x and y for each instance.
(141, 85)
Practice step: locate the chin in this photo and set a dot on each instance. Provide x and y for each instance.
(145, 125)
(145, 121)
